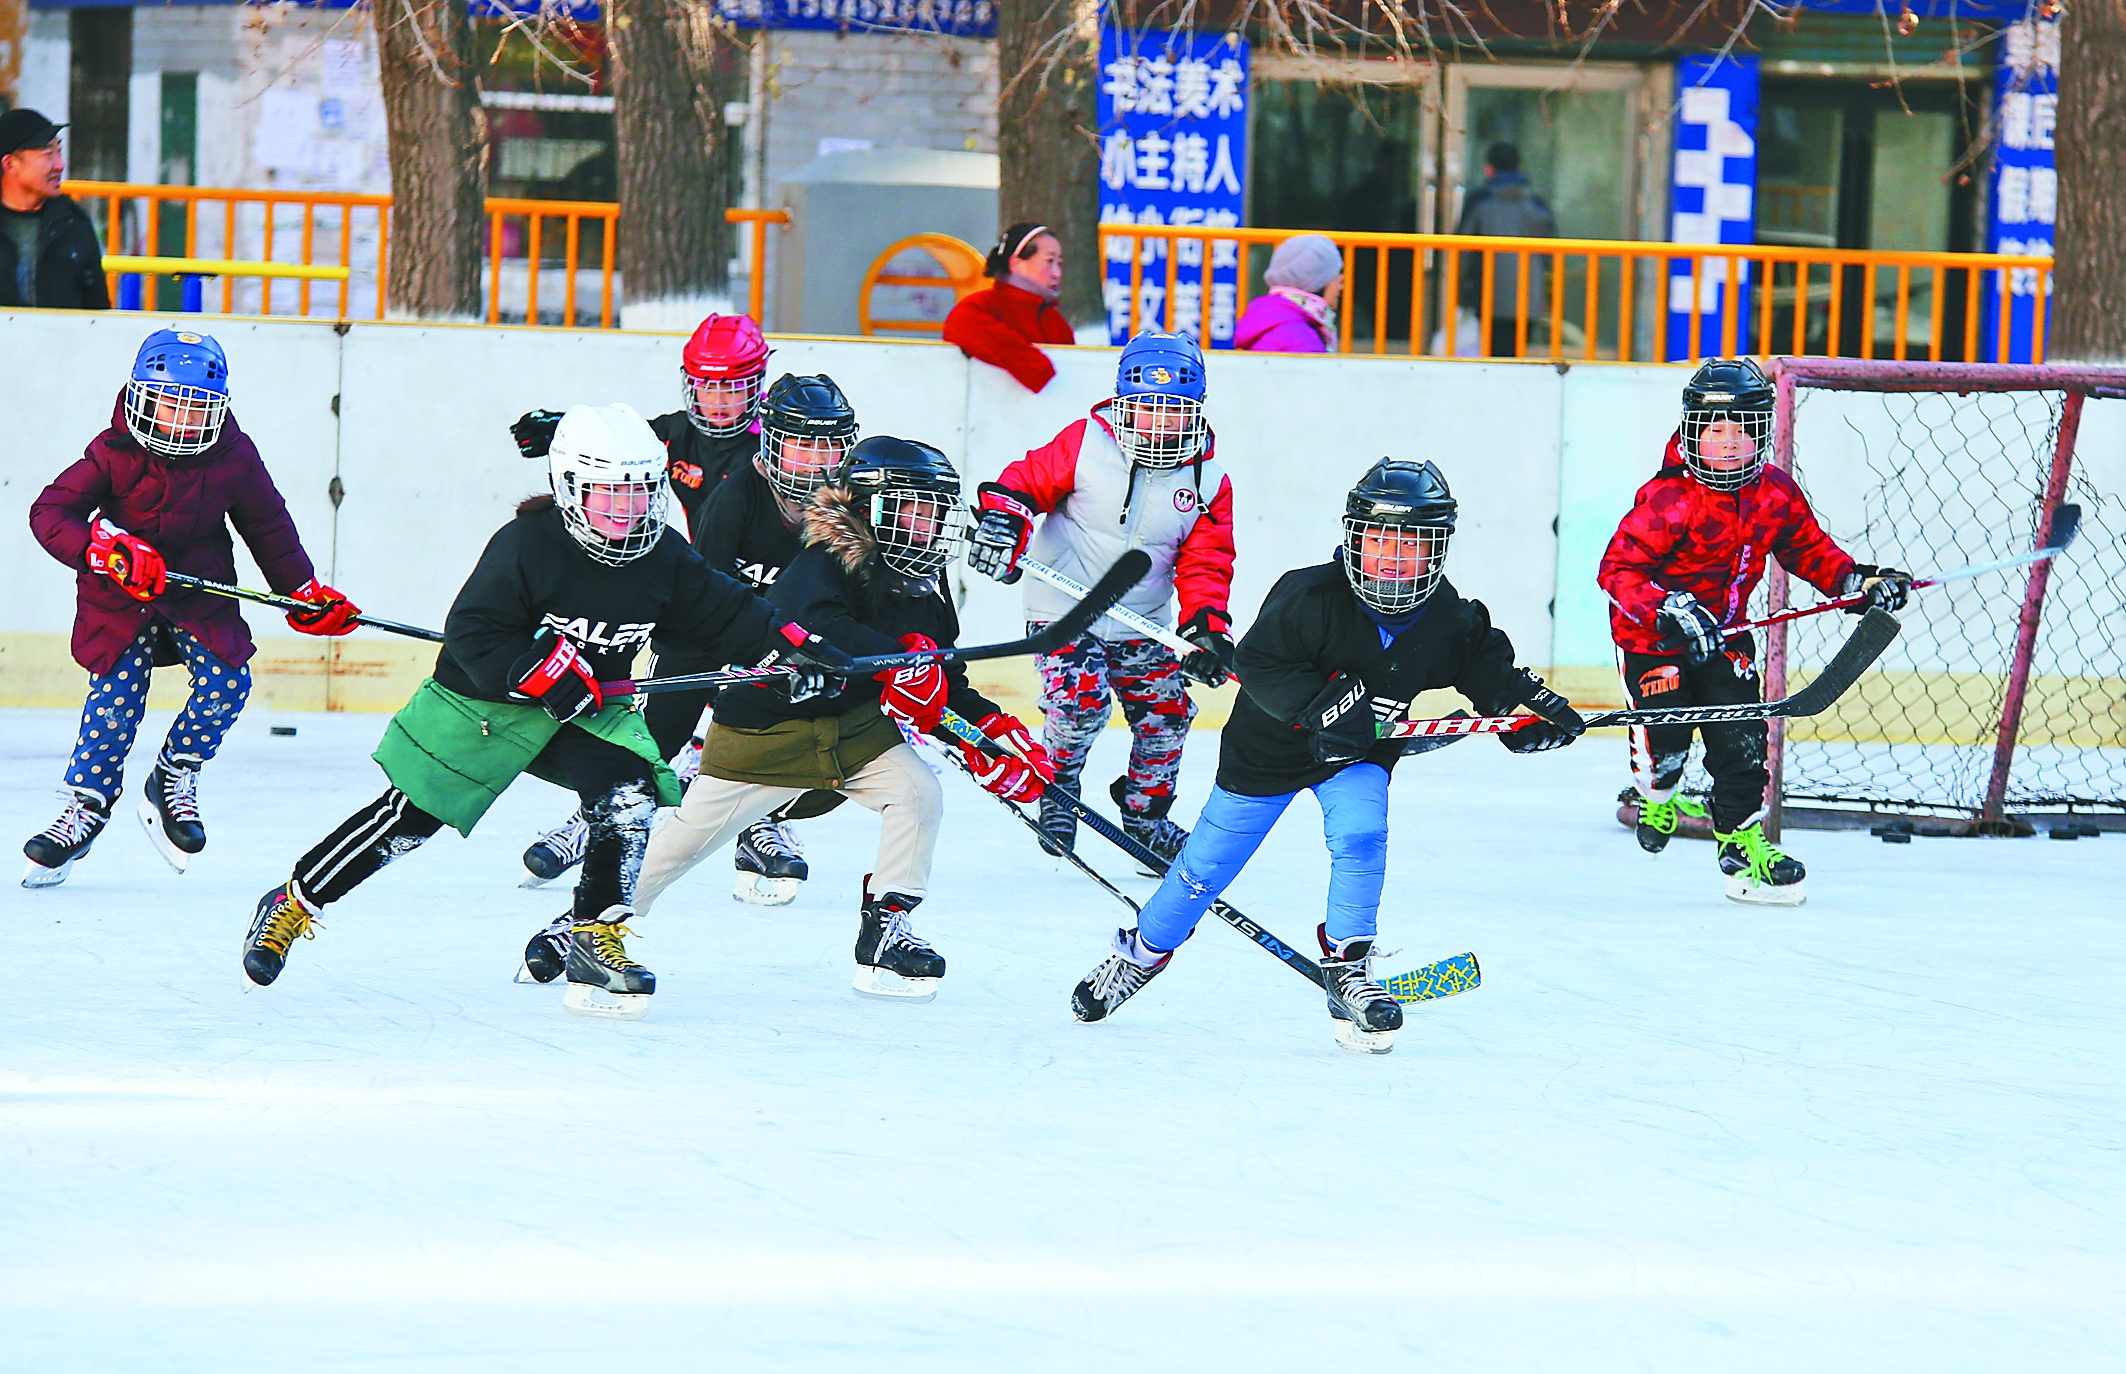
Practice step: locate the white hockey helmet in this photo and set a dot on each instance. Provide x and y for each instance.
(608, 473)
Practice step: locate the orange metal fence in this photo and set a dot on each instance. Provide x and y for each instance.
(1442, 295)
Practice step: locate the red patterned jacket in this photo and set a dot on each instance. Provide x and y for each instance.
(1682, 536)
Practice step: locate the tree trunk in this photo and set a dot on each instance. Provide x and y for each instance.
(438, 140)
(1048, 56)
(669, 91)
(2089, 281)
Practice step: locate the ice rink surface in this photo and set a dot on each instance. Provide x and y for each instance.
(1880, 1132)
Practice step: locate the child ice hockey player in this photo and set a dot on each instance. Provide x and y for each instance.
(562, 599)
(157, 492)
(1138, 473)
(877, 541)
(1338, 650)
(1678, 571)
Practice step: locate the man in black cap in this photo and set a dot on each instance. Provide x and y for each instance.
(49, 253)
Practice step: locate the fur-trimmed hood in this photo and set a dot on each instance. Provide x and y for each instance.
(833, 519)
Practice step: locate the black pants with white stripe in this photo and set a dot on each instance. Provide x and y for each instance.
(619, 794)
(1734, 750)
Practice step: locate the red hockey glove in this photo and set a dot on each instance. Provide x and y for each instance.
(132, 563)
(1003, 524)
(1015, 779)
(916, 695)
(557, 676)
(334, 614)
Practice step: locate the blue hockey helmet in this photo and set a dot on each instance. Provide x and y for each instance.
(1158, 407)
(178, 394)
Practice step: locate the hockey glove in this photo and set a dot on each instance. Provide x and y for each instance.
(1003, 524)
(1886, 587)
(915, 694)
(1691, 626)
(557, 676)
(1212, 663)
(132, 563)
(1021, 774)
(333, 614)
(1339, 723)
(534, 432)
(817, 668)
(1560, 724)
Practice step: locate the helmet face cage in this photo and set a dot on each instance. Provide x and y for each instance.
(1756, 424)
(1157, 431)
(828, 449)
(173, 420)
(920, 530)
(749, 387)
(1408, 562)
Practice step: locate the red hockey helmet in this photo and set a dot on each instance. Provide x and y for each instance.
(721, 372)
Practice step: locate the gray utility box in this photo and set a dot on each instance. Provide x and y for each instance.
(846, 208)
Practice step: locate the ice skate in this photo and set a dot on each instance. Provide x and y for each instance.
(1658, 820)
(1758, 872)
(891, 960)
(1149, 827)
(281, 919)
(169, 811)
(546, 954)
(602, 980)
(770, 865)
(52, 850)
(1119, 977)
(1366, 1016)
(556, 852)
(1059, 825)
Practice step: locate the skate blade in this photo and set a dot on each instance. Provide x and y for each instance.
(532, 879)
(151, 822)
(756, 889)
(588, 999)
(37, 875)
(889, 986)
(524, 974)
(1741, 890)
(1350, 1037)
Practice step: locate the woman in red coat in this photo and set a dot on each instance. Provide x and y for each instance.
(1001, 324)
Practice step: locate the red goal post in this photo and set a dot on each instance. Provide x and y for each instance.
(1946, 465)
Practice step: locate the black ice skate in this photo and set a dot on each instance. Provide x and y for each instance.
(1758, 871)
(282, 918)
(556, 852)
(1119, 977)
(891, 960)
(770, 865)
(546, 954)
(602, 980)
(52, 850)
(169, 810)
(1149, 827)
(1366, 1015)
(1059, 825)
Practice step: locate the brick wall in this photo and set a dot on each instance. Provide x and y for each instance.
(897, 91)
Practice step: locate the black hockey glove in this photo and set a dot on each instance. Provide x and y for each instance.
(1691, 626)
(1560, 724)
(557, 676)
(1339, 723)
(1886, 587)
(817, 668)
(1212, 663)
(534, 432)
(1003, 524)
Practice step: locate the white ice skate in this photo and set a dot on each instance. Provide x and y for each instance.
(771, 867)
(37, 875)
(586, 999)
(1351, 1037)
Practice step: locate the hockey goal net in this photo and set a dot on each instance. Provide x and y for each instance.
(2004, 698)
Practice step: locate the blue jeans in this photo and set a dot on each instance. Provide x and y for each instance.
(1354, 819)
(117, 700)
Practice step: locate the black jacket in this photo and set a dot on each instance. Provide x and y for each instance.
(69, 262)
(697, 464)
(839, 589)
(1311, 627)
(740, 531)
(533, 572)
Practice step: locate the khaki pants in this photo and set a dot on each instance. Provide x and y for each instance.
(896, 784)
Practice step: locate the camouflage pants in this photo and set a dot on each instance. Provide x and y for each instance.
(1076, 682)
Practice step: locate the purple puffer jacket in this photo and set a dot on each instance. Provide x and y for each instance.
(1272, 324)
(184, 508)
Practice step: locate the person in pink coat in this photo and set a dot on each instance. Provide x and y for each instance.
(1298, 313)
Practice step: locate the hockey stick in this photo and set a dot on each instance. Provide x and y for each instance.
(1123, 615)
(1441, 979)
(1114, 584)
(2066, 524)
(289, 603)
(1869, 638)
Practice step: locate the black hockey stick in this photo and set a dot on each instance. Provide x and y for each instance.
(1113, 585)
(289, 603)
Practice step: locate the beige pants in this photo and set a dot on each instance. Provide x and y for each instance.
(896, 784)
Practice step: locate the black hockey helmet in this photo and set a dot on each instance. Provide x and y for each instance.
(810, 413)
(910, 492)
(1731, 389)
(1397, 522)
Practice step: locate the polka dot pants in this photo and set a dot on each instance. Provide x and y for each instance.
(118, 699)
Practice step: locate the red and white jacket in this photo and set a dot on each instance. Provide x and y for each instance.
(1099, 504)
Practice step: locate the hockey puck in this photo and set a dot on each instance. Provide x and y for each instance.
(2090, 832)
(2066, 832)
(281, 730)
(1895, 836)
